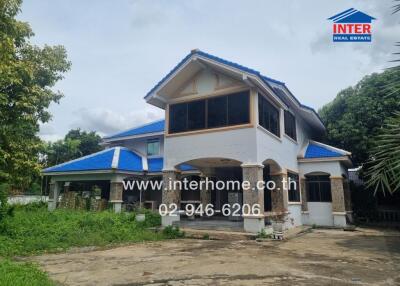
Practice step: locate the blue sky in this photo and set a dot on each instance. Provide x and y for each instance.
(120, 49)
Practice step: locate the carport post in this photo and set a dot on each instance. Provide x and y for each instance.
(54, 193)
(116, 190)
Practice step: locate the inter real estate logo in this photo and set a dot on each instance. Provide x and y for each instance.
(352, 26)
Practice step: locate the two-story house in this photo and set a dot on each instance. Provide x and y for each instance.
(227, 122)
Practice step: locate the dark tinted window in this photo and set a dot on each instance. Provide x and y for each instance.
(293, 188)
(217, 112)
(318, 189)
(290, 125)
(232, 109)
(268, 115)
(238, 108)
(196, 115)
(178, 117)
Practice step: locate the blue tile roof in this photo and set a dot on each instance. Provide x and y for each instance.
(265, 79)
(127, 161)
(155, 164)
(318, 151)
(152, 127)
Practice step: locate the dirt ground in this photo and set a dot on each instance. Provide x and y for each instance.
(322, 257)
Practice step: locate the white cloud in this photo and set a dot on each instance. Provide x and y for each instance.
(106, 121)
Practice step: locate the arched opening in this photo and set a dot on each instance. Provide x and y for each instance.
(270, 172)
(222, 183)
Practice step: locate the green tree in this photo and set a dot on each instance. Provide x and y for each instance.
(383, 168)
(357, 113)
(27, 75)
(77, 143)
(89, 141)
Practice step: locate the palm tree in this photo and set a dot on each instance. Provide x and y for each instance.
(383, 169)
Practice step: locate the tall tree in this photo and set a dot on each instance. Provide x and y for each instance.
(76, 143)
(89, 141)
(357, 113)
(27, 75)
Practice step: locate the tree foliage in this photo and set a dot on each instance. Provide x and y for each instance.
(357, 113)
(76, 143)
(27, 75)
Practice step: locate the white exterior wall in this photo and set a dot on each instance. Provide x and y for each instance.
(140, 144)
(236, 144)
(294, 217)
(282, 150)
(333, 168)
(319, 214)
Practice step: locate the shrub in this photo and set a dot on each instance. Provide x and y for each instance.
(5, 209)
(173, 232)
(263, 234)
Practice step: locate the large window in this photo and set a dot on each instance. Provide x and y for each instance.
(293, 187)
(268, 115)
(290, 125)
(153, 147)
(318, 188)
(227, 110)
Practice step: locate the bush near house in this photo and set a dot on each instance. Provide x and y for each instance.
(34, 230)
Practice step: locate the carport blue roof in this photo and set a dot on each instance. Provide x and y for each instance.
(116, 158)
(152, 127)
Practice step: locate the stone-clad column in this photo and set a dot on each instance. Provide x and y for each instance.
(338, 201)
(303, 191)
(347, 200)
(279, 196)
(305, 215)
(54, 193)
(171, 194)
(253, 194)
(205, 192)
(116, 190)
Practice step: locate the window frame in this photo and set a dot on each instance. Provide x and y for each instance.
(150, 141)
(297, 193)
(318, 182)
(206, 100)
(293, 127)
(277, 108)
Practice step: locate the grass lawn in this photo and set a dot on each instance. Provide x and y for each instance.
(34, 230)
(18, 274)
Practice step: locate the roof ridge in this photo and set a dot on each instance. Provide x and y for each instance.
(81, 158)
(331, 148)
(130, 129)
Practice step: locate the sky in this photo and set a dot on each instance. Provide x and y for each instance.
(120, 49)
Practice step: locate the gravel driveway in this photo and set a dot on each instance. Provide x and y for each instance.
(322, 257)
